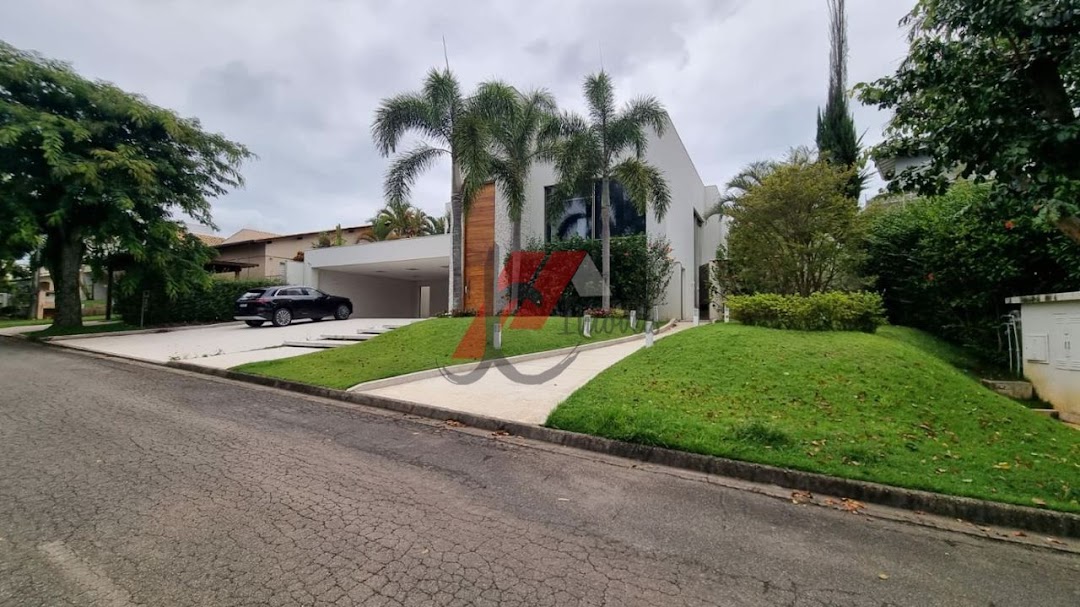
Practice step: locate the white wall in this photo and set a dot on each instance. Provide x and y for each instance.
(373, 297)
(688, 193)
(1051, 352)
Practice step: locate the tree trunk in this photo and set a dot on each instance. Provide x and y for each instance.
(605, 241)
(457, 265)
(109, 288)
(1070, 226)
(515, 269)
(63, 256)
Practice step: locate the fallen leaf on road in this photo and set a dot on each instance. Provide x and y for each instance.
(1054, 541)
(850, 505)
(883, 576)
(801, 497)
(1019, 534)
(563, 499)
(500, 433)
(453, 423)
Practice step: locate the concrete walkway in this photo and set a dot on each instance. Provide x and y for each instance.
(225, 345)
(500, 392)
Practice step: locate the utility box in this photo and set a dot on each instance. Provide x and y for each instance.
(1050, 325)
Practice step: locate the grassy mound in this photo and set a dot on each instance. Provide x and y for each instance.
(885, 408)
(421, 346)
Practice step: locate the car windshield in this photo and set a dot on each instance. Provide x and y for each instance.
(252, 294)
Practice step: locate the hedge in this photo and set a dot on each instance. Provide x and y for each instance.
(212, 303)
(628, 272)
(817, 312)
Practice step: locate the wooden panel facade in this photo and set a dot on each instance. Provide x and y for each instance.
(479, 242)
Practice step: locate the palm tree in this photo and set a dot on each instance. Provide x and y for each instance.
(380, 231)
(435, 225)
(402, 218)
(753, 174)
(449, 123)
(597, 148)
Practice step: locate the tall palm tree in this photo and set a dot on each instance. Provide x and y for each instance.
(448, 123)
(609, 145)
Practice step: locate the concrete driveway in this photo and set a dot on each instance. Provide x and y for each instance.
(226, 345)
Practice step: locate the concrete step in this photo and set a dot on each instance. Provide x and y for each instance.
(316, 344)
(375, 331)
(1020, 390)
(357, 337)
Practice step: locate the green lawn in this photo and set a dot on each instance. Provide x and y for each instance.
(420, 346)
(23, 322)
(881, 408)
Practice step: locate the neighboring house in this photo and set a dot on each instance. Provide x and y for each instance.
(411, 277)
(250, 254)
(89, 289)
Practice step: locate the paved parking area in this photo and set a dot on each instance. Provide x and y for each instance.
(225, 345)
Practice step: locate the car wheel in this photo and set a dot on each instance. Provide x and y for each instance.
(254, 323)
(342, 312)
(282, 317)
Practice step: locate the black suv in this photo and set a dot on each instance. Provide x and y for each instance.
(282, 305)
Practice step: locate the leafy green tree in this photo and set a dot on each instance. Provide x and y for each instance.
(836, 138)
(946, 264)
(990, 89)
(610, 145)
(796, 232)
(84, 162)
(451, 125)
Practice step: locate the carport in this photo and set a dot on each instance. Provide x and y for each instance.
(405, 278)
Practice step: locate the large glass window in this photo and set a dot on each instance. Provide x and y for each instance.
(580, 216)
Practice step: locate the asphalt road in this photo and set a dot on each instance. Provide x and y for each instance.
(128, 485)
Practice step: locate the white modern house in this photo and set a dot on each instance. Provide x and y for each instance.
(412, 277)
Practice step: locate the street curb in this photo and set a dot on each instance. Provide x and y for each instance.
(970, 509)
(133, 332)
(398, 380)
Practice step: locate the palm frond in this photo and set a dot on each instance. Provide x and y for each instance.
(647, 112)
(624, 134)
(600, 96)
(645, 184)
(401, 114)
(406, 169)
(442, 91)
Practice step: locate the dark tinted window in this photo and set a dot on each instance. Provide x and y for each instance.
(288, 292)
(581, 216)
(253, 294)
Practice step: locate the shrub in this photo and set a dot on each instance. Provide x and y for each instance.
(816, 312)
(211, 303)
(629, 265)
(462, 313)
(946, 264)
(606, 313)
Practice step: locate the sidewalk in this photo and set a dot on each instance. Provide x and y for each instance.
(506, 393)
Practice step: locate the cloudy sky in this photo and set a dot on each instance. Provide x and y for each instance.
(298, 81)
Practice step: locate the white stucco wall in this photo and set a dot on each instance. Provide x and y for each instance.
(373, 297)
(1051, 351)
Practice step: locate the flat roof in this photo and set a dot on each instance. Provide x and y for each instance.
(1044, 298)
